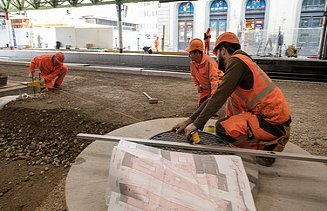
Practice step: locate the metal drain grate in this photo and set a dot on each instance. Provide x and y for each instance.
(206, 138)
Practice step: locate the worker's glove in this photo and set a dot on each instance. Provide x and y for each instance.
(199, 90)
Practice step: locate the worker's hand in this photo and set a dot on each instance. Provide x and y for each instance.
(199, 90)
(189, 129)
(182, 125)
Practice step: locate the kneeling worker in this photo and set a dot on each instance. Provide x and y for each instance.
(258, 115)
(51, 68)
(204, 70)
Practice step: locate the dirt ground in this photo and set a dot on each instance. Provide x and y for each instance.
(38, 136)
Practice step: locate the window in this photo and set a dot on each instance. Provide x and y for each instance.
(316, 22)
(313, 4)
(218, 5)
(185, 7)
(255, 4)
(304, 23)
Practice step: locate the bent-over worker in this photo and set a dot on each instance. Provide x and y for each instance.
(51, 68)
(258, 115)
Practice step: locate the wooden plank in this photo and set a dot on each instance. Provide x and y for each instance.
(212, 148)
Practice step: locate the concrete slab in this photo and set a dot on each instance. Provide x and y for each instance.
(88, 176)
(73, 58)
(178, 60)
(165, 73)
(131, 59)
(252, 171)
(90, 58)
(288, 185)
(155, 60)
(293, 185)
(111, 69)
(7, 99)
(108, 58)
(13, 88)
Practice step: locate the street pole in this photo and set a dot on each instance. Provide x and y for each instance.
(138, 44)
(163, 38)
(323, 39)
(120, 26)
(9, 30)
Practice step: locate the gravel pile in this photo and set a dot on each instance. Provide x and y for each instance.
(45, 136)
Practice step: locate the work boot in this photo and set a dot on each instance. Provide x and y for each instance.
(44, 89)
(56, 87)
(265, 161)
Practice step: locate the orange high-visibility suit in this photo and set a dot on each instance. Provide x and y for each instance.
(49, 71)
(245, 108)
(156, 44)
(207, 37)
(258, 116)
(206, 77)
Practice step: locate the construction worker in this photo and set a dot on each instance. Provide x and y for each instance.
(258, 116)
(51, 67)
(204, 70)
(156, 44)
(206, 39)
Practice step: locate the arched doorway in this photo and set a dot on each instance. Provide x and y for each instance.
(254, 24)
(185, 24)
(310, 26)
(218, 19)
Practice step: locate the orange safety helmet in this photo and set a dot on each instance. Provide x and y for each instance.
(195, 44)
(60, 57)
(225, 37)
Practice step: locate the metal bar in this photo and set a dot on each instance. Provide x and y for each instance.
(146, 94)
(261, 153)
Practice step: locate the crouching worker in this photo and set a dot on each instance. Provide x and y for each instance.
(51, 68)
(204, 70)
(257, 113)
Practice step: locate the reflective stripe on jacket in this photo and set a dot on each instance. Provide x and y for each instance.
(264, 99)
(206, 75)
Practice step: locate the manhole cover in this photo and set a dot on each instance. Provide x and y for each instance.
(206, 138)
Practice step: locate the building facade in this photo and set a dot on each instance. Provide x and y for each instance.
(256, 22)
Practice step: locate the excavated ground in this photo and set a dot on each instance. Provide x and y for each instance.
(38, 136)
